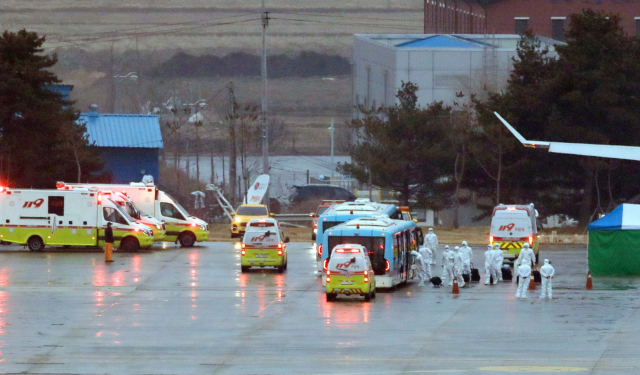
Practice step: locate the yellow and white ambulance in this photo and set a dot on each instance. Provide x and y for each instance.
(178, 224)
(132, 210)
(40, 218)
(512, 226)
(264, 245)
(350, 273)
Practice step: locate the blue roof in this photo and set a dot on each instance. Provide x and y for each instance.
(132, 131)
(440, 41)
(623, 217)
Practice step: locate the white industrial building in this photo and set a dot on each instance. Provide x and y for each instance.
(441, 65)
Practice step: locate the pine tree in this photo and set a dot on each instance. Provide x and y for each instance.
(40, 141)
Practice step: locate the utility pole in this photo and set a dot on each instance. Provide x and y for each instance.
(331, 130)
(112, 97)
(232, 135)
(265, 129)
(425, 16)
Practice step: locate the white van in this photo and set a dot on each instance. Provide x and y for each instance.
(178, 224)
(512, 226)
(66, 218)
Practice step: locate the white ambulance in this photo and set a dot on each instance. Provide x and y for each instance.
(132, 210)
(179, 225)
(66, 218)
(512, 226)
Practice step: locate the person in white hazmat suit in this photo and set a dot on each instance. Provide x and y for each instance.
(489, 268)
(458, 266)
(524, 271)
(547, 272)
(419, 267)
(431, 241)
(498, 260)
(467, 257)
(527, 256)
(448, 258)
(426, 259)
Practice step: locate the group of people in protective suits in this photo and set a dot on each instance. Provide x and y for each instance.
(458, 261)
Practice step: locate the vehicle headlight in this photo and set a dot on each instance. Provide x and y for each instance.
(203, 227)
(158, 226)
(148, 232)
(238, 220)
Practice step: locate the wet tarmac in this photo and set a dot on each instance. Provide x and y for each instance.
(191, 311)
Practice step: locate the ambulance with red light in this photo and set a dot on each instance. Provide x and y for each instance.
(132, 210)
(512, 226)
(39, 218)
(350, 273)
(264, 245)
(178, 224)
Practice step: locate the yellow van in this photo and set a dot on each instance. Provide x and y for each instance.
(349, 272)
(264, 245)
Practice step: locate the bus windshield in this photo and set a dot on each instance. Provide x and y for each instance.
(375, 248)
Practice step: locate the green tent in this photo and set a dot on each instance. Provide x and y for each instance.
(614, 242)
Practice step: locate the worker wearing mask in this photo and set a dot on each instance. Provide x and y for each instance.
(467, 257)
(419, 267)
(489, 269)
(426, 259)
(527, 256)
(448, 258)
(498, 260)
(547, 272)
(458, 266)
(524, 272)
(431, 241)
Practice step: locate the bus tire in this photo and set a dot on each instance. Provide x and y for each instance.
(281, 269)
(244, 269)
(330, 297)
(129, 244)
(286, 263)
(367, 297)
(187, 239)
(35, 243)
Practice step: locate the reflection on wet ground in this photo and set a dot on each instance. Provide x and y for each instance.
(175, 310)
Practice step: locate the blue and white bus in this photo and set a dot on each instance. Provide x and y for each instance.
(388, 242)
(343, 212)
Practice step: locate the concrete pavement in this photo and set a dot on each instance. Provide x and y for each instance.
(191, 311)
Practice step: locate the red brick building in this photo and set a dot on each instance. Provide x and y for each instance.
(545, 17)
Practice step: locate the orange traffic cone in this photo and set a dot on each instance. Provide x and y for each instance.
(532, 282)
(456, 289)
(589, 282)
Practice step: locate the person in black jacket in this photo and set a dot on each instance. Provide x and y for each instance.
(108, 243)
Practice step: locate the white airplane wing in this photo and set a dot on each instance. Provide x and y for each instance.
(602, 151)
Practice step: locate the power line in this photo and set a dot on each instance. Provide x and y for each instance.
(142, 35)
(144, 28)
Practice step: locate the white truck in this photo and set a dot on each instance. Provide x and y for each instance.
(77, 217)
(179, 225)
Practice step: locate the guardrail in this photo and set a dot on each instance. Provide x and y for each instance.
(294, 217)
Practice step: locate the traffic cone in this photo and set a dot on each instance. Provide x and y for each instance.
(532, 282)
(456, 289)
(589, 282)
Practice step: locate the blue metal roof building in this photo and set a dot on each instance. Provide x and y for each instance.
(129, 144)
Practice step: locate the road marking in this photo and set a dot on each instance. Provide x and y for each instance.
(533, 369)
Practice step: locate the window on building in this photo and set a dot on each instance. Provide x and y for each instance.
(637, 26)
(522, 25)
(557, 29)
